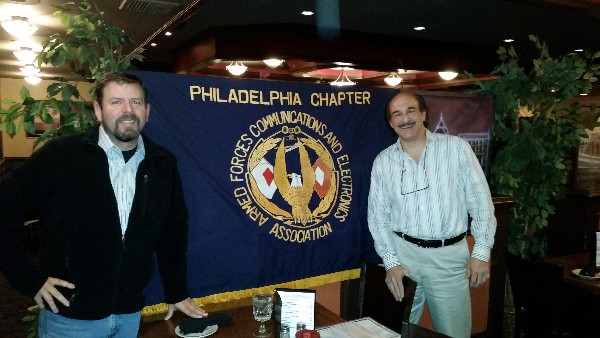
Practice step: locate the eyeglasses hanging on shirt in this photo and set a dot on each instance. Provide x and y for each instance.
(414, 176)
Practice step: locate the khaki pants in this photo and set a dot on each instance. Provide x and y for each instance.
(441, 282)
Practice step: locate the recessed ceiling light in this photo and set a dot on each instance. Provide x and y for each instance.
(579, 50)
(153, 44)
(508, 40)
(307, 13)
(419, 28)
(167, 33)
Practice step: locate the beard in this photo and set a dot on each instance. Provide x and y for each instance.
(130, 131)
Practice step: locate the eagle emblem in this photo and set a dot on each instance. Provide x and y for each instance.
(299, 191)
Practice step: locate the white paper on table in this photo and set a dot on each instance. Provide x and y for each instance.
(297, 306)
(360, 328)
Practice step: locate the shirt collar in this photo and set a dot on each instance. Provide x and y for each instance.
(430, 137)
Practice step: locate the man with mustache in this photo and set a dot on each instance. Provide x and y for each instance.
(423, 189)
(111, 203)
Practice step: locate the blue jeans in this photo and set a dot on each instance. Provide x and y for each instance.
(118, 326)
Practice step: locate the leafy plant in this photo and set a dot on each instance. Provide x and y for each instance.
(33, 319)
(91, 47)
(537, 127)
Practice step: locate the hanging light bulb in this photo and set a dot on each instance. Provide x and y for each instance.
(25, 54)
(273, 62)
(236, 68)
(393, 80)
(18, 26)
(342, 80)
(448, 75)
(30, 70)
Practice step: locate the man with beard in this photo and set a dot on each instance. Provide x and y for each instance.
(423, 188)
(110, 202)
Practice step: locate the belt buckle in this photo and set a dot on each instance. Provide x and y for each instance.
(424, 243)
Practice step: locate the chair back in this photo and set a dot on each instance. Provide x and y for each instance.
(538, 296)
(376, 301)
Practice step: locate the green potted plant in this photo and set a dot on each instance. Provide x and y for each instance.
(91, 46)
(537, 127)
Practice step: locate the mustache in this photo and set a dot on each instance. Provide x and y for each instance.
(407, 124)
(128, 116)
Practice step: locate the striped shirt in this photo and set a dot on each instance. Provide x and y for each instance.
(122, 175)
(431, 199)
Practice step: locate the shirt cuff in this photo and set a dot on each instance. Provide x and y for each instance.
(390, 260)
(481, 252)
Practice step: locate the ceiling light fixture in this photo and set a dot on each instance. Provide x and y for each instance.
(18, 26)
(508, 40)
(342, 80)
(30, 70)
(393, 80)
(448, 75)
(236, 68)
(419, 28)
(32, 79)
(273, 62)
(25, 54)
(307, 13)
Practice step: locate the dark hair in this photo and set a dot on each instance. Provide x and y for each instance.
(118, 78)
(420, 100)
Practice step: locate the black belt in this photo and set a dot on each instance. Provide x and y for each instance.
(431, 243)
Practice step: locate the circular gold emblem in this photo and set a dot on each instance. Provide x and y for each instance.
(307, 192)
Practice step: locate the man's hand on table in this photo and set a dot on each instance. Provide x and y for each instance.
(188, 307)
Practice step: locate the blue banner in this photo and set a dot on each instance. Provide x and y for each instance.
(276, 174)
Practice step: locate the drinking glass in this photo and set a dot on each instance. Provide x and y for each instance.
(262, 308)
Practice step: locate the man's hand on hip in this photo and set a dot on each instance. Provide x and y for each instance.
(50, 293)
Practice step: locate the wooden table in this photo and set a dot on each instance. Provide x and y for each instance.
(243, 324)
(577, 261)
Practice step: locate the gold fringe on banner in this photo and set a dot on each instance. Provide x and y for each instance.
(243, 297)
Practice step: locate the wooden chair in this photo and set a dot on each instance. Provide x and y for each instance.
(543, 307)
(376, 301)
